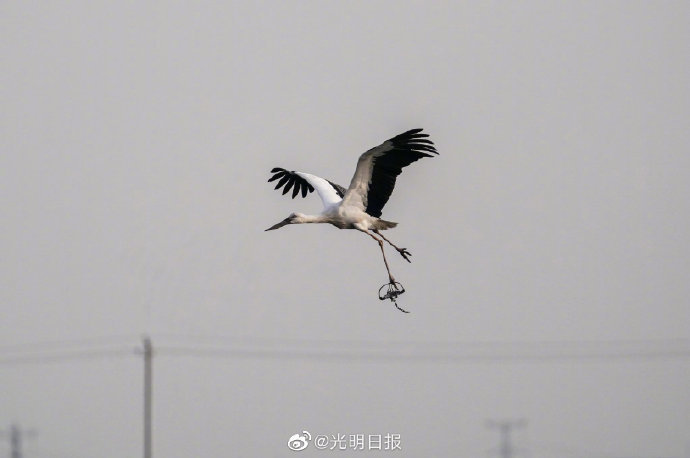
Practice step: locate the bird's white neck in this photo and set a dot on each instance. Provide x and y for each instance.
(304, 219)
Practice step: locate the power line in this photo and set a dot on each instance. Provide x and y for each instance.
(53, 344)
(69, 355)
(233, 340)
(458, 352)
(635, 350)
(374, 355)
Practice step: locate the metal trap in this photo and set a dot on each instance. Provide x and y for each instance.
(392, 291)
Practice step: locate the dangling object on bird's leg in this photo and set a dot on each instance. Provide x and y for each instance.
(394, 290)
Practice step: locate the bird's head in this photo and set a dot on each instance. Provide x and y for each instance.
(294, 218)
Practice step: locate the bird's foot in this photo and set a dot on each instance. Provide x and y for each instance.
(404, 253)
(393, 290)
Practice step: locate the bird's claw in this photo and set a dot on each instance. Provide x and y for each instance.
(404, 253)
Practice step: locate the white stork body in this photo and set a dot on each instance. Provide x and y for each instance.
(360, 205)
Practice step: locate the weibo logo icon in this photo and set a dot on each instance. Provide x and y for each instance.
(298, 441)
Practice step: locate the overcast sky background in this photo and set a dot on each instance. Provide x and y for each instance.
(136, 140)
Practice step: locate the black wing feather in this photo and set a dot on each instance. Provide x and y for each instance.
(408, 147)
(291, 181)
(338, 189)
(288, 186)
(282, 182)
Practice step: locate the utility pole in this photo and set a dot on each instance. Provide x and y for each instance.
(15, 435)
(505, 427)
(148, 395)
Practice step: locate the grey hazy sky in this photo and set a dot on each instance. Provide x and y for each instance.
(135, 144)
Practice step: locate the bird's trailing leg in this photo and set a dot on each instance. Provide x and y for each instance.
(394, 289)
(380, 242)
(403, 251)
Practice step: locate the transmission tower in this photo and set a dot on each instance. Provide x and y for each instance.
(505, 428)
(16, 435)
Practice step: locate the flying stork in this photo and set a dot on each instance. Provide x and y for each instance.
(360, 205)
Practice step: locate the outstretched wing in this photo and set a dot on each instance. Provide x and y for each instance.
(329, 192)
(377, 169)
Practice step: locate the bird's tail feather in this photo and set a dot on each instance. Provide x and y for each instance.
(383, 224)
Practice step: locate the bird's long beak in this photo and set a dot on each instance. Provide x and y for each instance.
(284, 222)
